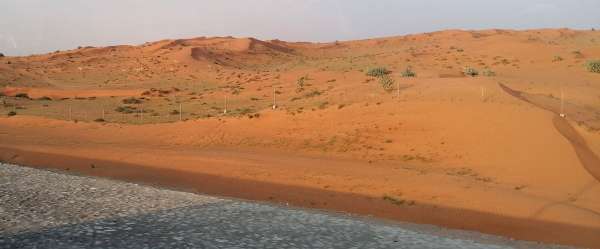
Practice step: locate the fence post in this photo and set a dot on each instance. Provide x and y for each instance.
(274, 103)
(225, 111)
(180, 112)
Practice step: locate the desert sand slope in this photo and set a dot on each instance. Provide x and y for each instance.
(484, 153)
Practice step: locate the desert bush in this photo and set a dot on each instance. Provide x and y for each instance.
(488, 72)
(11, 113)
(22, 95)
(377, 72)
(132, 100)
(408, 73)
(387, 83)
(557, 58)
(174, 112)
(312, 94)
(126, 109)
(593, 66)
(44, 98)
(1, 55)
(99, 120)
(469, 71)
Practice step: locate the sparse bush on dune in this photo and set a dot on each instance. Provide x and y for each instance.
(377, 72)
(132, 100)
(408, 73)
(557, 58)
(126, 109)
(386, 82)
(22, 95)
(488, 72)
(593, 66)
(469, 71)
(1, 55)
(11, 113)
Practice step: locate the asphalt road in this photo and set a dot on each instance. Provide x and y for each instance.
(43, 209)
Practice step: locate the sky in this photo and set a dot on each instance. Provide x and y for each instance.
(40, 26)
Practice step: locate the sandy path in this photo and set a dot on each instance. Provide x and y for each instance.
(588, 158)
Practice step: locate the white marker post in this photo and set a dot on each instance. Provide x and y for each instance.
(562, 104)
(225, 110)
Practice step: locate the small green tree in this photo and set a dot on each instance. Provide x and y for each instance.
(300, 83)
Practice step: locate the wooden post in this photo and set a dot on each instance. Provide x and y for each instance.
(225, 110)
(70, 113)
(180, 112)
(398, 90)
(562, 103)
(274, 103)
(103, 113)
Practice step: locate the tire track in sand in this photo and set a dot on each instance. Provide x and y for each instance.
(589, 160)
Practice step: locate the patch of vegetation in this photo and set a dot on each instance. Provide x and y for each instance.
(99, 120)
(44, 98)
(378, 72)
(132, 100)
(408, 73)
(593, 66)
(387, 83)
(312, 94)
(174, 112)
(469, 71)
(397, 201)
(323, 105)
(11, 113)
(126, 109)
(22, 95)
(557, 58)
(488, 73)
(1, 55)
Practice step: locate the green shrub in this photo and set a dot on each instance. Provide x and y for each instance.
(593, 66)
(378, 72)
(408, 73)
(488, 73)
(469, 71)
(387, 83)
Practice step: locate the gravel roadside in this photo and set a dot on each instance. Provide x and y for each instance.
(43, 209)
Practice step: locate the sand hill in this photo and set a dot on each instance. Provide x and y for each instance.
(474, 140)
